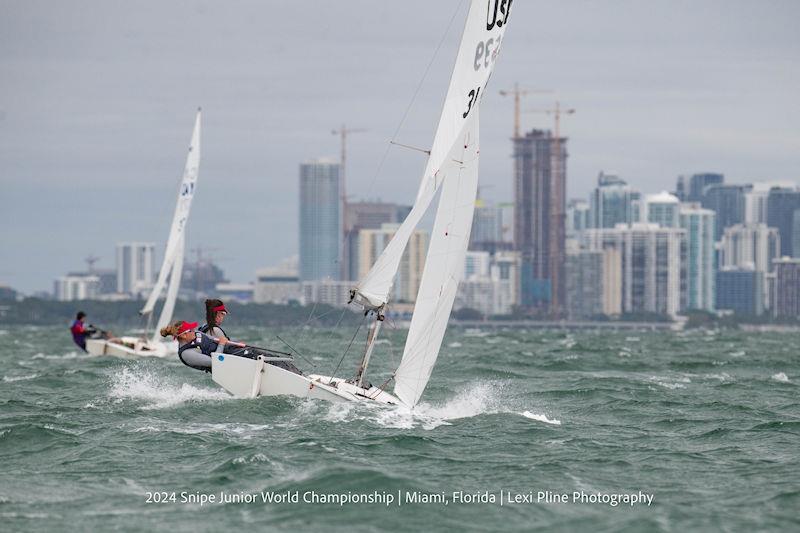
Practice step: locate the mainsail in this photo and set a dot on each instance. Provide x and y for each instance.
(477, 53)
(173, 255)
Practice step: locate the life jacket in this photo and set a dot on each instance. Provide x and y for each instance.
(205, 347)
(205, 329)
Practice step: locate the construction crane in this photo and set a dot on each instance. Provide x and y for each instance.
(557, 201)
(518, 93)
(90, 261)
(342, 133)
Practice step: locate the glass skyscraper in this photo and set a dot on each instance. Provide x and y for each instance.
(320, 221)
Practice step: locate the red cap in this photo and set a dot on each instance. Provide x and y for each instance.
(219, 308)
(186, 326)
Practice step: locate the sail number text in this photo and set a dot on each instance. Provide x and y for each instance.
(497, 13)
(472, 99)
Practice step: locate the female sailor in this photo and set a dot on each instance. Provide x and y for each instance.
(195, 347)
(215, 316)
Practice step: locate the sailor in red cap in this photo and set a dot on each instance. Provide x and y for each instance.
(194, 348)
(215, 316)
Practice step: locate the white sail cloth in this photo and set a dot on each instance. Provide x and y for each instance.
(477, 53)
(173, 255)
(444, 266)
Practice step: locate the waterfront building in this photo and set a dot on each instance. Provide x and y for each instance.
(649, 259)
(787, 287)
(613, 202)
(491, 227)
(320, 220)
(578, 217)
(371, 242)
(782, 203)
(728, 202)
(700, 258)
(698, 184)
(135, 267)
(279, 284)
(740, 290)
(76, 287)
(366, 215)
(662, 209)
(540, 175)
(584, 283)
(490, 283)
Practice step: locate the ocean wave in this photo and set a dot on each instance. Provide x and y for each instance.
(541, 418)
(780, 376)
(68, 355)
(160, 392)
(11, 379)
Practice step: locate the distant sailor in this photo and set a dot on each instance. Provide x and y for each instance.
(80, 331)
(215, 316)
(195, 347)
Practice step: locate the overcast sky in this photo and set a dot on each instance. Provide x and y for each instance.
(97, 101)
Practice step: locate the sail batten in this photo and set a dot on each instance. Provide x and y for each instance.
(172, 265)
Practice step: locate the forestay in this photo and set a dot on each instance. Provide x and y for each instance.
(173, 255)
(477, 53)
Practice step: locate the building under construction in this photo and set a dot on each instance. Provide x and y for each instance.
(540, 176)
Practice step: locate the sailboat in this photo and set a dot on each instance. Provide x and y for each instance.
(451, 171)
(149, 343)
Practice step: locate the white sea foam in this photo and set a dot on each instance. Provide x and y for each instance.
(138, 383)
(68, 355)
(670, 383)
(11, 379)
(541, 418)
(780, 376)
(454, 345)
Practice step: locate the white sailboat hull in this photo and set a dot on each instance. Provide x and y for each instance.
(131, 347)
(251, 378)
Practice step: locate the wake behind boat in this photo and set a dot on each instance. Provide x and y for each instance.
(452, 168)
(149, 344)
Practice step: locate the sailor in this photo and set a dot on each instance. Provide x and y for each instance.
(215, 316)
(80, 331)
(195, 348)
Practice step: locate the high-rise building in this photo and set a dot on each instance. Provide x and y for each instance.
(578, 217)
(584, 283)
(787, 287)
(699, 224)
(491, 227)
(540, 176)
(698, 184)
(490, 283)
(135, 267)
(366, 215)
(740, 291)
(76, 287)
(371, 243)
(662, 209)
(749, 246)
(728, 202)
(649, 265)
(781, 206)
(613, 202)
(320, 221)
(756, 200)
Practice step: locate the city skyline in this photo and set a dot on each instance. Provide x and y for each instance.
(94, 111)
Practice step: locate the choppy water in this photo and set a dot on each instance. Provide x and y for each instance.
(706, 422)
